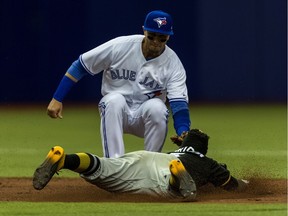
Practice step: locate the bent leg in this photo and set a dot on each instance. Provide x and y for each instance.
(155, 117)
(112, 111)
(56, 159)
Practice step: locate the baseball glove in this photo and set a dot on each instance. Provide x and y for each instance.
(179, 139)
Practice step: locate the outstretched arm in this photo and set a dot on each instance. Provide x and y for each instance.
(55, 106)
(71, 77)
(221, 177)
(235, 184)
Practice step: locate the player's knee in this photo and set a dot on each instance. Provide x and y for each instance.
(156, 111)
(114, 100)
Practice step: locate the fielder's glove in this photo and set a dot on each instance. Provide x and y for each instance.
(179, 139)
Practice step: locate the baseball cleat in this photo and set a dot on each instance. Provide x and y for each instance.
(54, 162)
(182, 180)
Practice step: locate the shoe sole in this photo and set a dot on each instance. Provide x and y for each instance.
(187, 186)
(45, 172)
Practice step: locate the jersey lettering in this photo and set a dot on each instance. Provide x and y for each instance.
(188, 149)
(123, 74)
(176, 154)
(150, 83)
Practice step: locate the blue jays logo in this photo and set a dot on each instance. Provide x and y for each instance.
(160, 21)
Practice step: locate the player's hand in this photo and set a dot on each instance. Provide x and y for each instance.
(179, 139)
(54, 109)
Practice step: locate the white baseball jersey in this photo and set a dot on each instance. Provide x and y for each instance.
(126, 71)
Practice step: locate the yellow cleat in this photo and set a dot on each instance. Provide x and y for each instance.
(181, 180)
(54, 162)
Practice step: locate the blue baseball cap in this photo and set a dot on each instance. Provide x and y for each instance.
(160, 22)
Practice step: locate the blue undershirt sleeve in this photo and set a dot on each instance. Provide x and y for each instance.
(77, 70)
(63, 88)
(181, 116)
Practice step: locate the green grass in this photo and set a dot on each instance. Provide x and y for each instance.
(142, 209)
(251, 139)
(246, 137)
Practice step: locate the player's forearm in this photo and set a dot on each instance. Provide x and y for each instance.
(75, 72)
(181, 116)
(64, 87)
(235, 184)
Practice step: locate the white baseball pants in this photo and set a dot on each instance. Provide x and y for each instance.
(148, 120)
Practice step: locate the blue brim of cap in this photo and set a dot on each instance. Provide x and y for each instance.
(159, 31)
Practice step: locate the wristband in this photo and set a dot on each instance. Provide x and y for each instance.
(64, 87)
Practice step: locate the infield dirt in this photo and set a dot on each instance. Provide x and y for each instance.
(77, 190)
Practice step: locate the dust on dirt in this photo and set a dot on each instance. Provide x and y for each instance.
(77, 190)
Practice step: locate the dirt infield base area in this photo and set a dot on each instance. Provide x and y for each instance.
(78, 190)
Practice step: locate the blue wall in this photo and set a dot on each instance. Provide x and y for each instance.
(232, 50)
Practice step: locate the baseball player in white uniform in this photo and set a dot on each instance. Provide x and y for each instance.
(139, 73)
